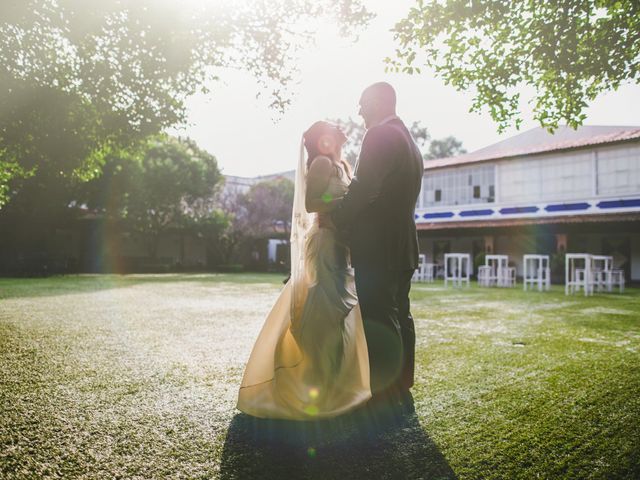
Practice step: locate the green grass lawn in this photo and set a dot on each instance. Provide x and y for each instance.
(136, 377)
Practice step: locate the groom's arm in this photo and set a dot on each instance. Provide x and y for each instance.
(374, 165)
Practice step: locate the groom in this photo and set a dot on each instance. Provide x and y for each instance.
(377, 216)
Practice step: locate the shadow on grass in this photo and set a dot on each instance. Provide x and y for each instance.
(354, 446)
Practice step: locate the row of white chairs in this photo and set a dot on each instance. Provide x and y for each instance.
(458, 270)
(591, 273)
(583, 271)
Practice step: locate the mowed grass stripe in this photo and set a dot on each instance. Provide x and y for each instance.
(136, 377)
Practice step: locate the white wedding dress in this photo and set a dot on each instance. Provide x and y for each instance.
(310, 359)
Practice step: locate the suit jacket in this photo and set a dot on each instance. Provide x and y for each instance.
(377, 212)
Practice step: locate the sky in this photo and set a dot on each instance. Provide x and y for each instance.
(249, 139)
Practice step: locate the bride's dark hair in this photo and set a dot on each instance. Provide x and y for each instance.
(317, 133)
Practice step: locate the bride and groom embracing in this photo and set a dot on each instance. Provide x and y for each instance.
(341, 334)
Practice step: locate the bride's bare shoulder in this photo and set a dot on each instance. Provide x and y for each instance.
(320, 165)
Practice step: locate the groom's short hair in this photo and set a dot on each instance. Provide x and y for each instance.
(383, 92)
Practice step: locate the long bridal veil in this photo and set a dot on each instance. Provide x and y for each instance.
(301, 222)
(310, 359)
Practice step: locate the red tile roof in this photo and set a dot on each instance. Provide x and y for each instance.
(539, 140)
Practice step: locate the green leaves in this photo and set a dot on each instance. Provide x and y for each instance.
(569, 51)
(165, 184)
(172, 180)
(431, 149)
(79, 78)
(266, 205)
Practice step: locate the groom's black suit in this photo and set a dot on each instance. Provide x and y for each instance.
(377, 216)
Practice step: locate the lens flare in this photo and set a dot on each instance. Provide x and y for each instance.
(327, 197)
(313, 393)
(311, 410)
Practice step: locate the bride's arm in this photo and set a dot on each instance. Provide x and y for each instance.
(318, 178)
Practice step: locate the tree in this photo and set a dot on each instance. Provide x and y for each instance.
(173, 183)
(168, 184)
(230, 201)
(354, 131)
(262, 211)
(212, 227)
(269, 206)
(46, 134)
(81, 79)
(445, 147)
(569, 51)
(419, 134)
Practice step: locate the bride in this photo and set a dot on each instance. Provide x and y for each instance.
(310, 359)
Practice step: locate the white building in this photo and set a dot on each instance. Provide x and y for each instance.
(237, 184)
(574, 191)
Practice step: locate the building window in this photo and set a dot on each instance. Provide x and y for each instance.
(559, 176)
(618, 171)
(458, 186)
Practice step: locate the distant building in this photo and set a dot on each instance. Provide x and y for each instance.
(237, 184)
(243, 184)
(573, 191)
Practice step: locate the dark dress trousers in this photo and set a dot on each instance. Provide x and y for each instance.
(376, 217)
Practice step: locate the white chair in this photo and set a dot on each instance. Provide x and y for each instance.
(616, 277)
(536, 271)
(544, 275)
(457, 268)
(578, 278)
(510, 277)
(419, 275)
(497, 272)
(600, 277)
(484, 276)
(581, 279)
(430, 272)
